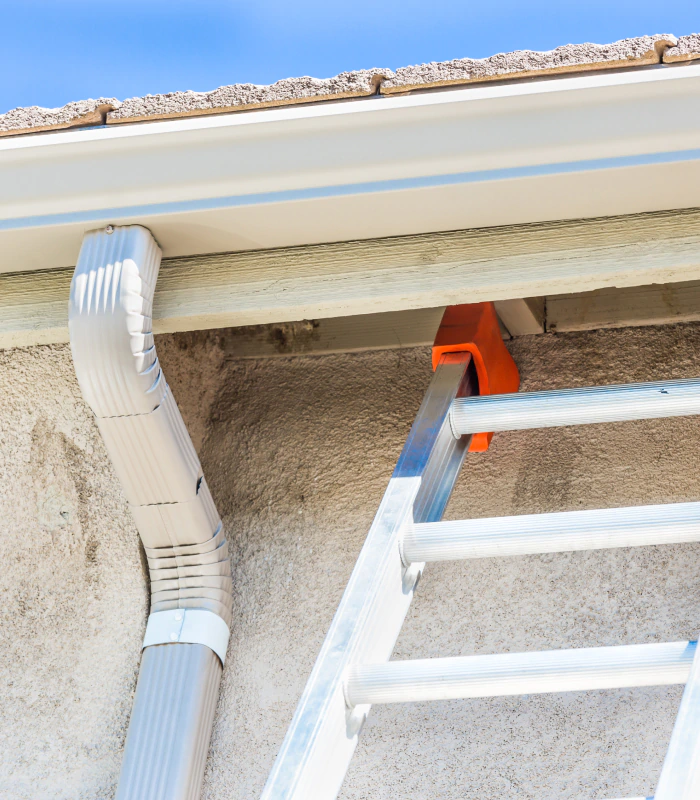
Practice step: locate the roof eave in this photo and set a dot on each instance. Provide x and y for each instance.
(599, 144)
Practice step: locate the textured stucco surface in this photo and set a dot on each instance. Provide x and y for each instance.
(72, 589)
(634, 52)
(297, 453)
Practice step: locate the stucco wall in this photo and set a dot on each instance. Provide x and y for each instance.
(297, 453)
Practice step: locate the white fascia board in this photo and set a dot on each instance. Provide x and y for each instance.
(526, 151)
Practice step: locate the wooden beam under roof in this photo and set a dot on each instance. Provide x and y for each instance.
(585, 259)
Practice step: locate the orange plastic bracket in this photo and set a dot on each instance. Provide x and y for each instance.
(474, 329)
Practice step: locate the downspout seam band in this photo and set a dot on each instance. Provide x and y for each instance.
(191, 626)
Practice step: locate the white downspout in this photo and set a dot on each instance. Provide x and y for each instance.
(188, 628)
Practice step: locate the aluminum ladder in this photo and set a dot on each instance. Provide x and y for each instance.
(353, 670)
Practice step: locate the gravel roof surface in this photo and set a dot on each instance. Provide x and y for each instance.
(637, 52)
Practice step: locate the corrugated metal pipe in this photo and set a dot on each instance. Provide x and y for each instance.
(188, 628)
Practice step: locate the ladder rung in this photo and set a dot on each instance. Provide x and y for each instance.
(510, 412)
(672, 523)
(520, 673)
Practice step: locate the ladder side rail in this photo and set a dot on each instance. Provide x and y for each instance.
(323, 734)
(542, 672)
(560, 532)
(680, 774)
(590, 405)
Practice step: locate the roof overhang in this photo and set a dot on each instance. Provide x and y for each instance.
(526, 151)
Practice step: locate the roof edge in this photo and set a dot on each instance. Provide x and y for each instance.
(520, 64)
(687, 49)
(586, 57)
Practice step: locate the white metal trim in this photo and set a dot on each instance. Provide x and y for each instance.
(190, 625)
(132, 213)
(296, 168)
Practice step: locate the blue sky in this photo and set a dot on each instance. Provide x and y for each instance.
(54, 51)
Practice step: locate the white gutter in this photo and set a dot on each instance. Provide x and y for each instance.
(557, 148)
(152, 454)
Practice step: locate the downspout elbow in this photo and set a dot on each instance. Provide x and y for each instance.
(145, 436)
